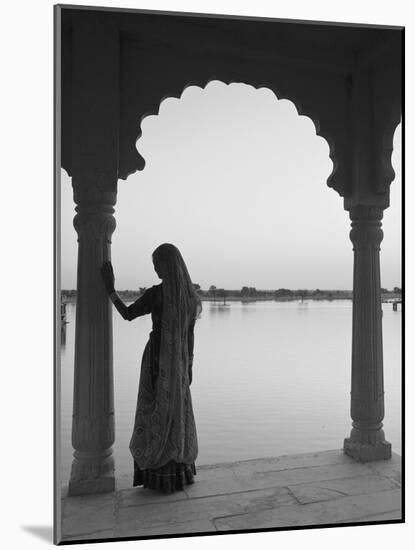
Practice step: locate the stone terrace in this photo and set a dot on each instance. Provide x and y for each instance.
(288, 491)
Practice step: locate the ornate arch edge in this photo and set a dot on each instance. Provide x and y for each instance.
(137, 162)
(391, 123)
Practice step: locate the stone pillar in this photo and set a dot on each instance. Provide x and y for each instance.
(93, 398)
(367, 439)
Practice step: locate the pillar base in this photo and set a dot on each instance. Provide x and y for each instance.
(364, 452)
(105, 484)
(92, 473)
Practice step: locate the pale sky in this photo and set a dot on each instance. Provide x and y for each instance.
(236, 179)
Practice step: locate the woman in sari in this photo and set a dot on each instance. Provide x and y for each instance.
(164, 441)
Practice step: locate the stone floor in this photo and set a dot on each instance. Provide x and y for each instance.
(288, 491)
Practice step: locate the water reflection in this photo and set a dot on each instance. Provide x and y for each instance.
(248, 307)
(219, 308)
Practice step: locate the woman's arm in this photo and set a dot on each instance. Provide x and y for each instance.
(141, 306)
(119, 305)
(109, 282)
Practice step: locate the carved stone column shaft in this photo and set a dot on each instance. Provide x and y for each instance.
(93, 399)
(367, 440)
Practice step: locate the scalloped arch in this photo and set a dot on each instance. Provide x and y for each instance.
(301, 107)
(390, 125)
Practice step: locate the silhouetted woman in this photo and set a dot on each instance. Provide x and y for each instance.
(164, 441)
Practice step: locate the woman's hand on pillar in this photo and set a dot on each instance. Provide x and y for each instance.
(108, 276)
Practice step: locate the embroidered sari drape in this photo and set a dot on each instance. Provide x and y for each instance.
(164, 426)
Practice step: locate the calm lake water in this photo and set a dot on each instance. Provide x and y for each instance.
(269, 378)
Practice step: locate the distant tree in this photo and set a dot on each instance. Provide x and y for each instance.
(283, 292)
(212, 291)
(248, 291)
(142, 289)
(384, 290)
(196, 286)
(397, 290)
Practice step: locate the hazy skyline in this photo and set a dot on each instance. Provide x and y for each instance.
(237, 180)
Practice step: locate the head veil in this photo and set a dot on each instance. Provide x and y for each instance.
(164, 425)
(181, 304)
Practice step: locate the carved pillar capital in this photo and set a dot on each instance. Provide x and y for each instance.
(366, 227)
(94, 223)
(365, 213)
(94, 187)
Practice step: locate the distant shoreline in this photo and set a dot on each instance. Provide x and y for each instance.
(130, 296)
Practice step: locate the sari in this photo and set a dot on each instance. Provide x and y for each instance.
(164, 440)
